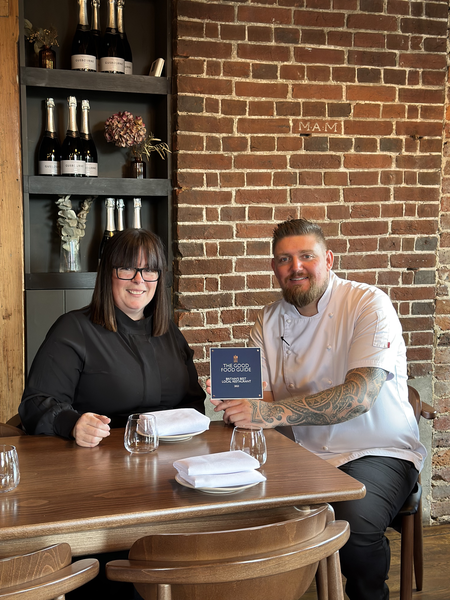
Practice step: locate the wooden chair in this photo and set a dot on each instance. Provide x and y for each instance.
(45, 574)
(409, 519)
(276, 557)
(10, 431)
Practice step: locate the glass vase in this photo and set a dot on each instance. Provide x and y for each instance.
(70, 260)
(138, 168)
(47, 58)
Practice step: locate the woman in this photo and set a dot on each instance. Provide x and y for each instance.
(120, 355)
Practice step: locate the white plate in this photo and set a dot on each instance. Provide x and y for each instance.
(182, 437)
(219, 490)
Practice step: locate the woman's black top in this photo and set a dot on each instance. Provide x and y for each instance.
(82, 367)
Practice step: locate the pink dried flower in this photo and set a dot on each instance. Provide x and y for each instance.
(124, 130)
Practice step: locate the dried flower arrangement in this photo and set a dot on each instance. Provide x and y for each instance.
(72, 226)
(126, 131)
(40, 37)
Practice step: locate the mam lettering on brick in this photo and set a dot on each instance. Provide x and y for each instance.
(318, 126)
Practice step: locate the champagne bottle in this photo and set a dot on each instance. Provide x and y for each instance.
(83, 56)
(126, 44)
(49, 153)
(72, 157)
(95, 29)
(137, 213)
(87, 143)
(112, 58)
(110, 228)
(120, 208)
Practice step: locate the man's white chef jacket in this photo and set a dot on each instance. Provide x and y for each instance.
(356, 326)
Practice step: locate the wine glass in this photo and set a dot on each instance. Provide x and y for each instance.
(250, 440)
(9, 468)
(141, 434)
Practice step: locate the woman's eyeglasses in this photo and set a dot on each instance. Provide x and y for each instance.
(129, 273)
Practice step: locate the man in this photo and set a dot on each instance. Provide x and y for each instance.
(335, 365)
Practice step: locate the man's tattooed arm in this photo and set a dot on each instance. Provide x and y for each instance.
(336, 405)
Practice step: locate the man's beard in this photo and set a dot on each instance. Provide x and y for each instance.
(300, 298)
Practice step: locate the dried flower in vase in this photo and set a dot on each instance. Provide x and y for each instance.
(41, 38)
(71, 226)
(148, 146)
(124, 130)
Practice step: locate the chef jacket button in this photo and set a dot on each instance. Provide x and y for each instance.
(288, 321)
(325, 448)
(330, 382)
(291, 385)
(288, 353)
(328, 347)
(330, 315)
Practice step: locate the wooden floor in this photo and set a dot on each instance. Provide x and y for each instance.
(436, 566)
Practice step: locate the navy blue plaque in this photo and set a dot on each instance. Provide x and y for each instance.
(236, 373)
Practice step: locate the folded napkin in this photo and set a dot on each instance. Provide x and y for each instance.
(233, 461)
(179, 421)
(223, 480)
(223, 469)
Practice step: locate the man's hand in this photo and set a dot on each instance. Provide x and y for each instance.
(242, 413)
(90, 429)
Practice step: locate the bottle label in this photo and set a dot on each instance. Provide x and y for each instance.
(73, 167)
(49, 167)
(112, 64)
(128, 68)
(83, 62)
(91, 169)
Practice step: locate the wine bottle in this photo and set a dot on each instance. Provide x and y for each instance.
(83, 57)
(95, 29)
(87, 143)
(120, 208)
(49, 153)
(128, 56)
(110, 228)
(72, 157)
(137, 213)
(112, 58)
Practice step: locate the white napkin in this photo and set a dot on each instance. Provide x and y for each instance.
(179, 421)
(223, 469)
(233, 461)
(223, 480)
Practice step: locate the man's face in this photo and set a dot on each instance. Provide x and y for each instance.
(301, 264)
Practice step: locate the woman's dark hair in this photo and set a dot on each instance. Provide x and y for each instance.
(297, 227)
(124, 250)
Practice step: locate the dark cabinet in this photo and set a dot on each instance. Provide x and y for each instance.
(147, 23)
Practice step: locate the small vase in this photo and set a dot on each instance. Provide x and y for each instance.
(70, 261)
(138, 168)
(47, 58)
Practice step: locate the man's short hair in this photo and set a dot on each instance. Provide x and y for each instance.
(297, 227)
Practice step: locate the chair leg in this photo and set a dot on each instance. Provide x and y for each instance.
(418, 548)
(406, 557)
(334, 577)
(164, 591)
(321, 580)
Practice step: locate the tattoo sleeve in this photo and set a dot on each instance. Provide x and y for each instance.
(336, 405)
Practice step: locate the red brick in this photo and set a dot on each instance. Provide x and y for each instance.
(372, 59)
(413, 261)
(266, 52)
(367, 194)
(257, 282)
(205, 231)
(236, 69)
(258, 179)
(231, 283)
(364, 228)
(363, 177)
(319, 19)
(204, 49)
(231, 316)
(371, 22)
(204, 161)
(423, 27)
(362, 245)
(383, 128)
(261, 90)
(261, 109)
(292, 72)
(321, 92)
(367, 161)
(421, 96)
(231, 248)
(305, 55)
(372, 93)
(253, 230)
(315, 161)
(313, 195)
(259, 161)
(205, 12)
(365, 211)
(273, 16)
(250, 265)
(318, 73)
(202, 197)
(248, 298)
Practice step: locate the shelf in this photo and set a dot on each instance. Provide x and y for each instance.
(59, 281)
(103, 82)
(99, 186)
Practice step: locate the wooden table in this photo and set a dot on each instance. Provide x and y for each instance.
(103, 499)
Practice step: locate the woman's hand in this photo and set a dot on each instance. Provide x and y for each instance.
(90, 429)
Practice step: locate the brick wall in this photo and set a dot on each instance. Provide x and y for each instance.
(332, 110)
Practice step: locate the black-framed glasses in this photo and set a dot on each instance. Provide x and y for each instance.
(129, 273)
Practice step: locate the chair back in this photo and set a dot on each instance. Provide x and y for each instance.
(421, 409)
(45, 574)
(276, 558)
(10, 431)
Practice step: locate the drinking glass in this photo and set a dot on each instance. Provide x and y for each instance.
(251, 441)
(141, 434)
(9, 468)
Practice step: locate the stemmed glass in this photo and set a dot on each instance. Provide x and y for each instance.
(9, 468)
(250, 440)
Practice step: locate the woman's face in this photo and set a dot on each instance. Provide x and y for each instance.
(132, 296)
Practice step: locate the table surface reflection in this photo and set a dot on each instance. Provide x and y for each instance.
(102, 499)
